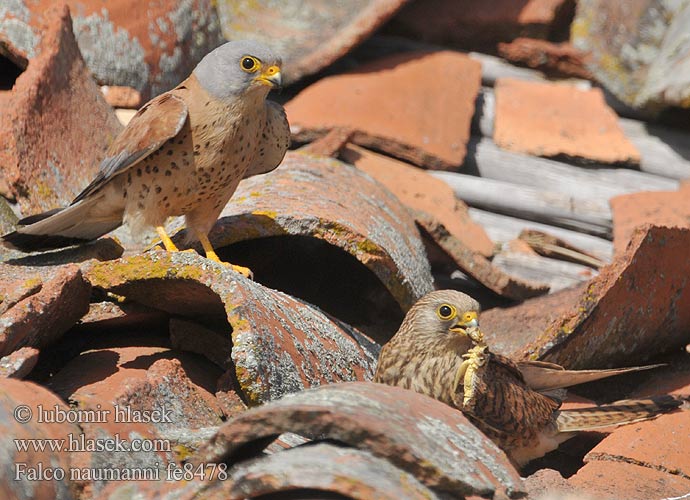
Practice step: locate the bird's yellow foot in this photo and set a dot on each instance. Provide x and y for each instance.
(212, 255)
(474, 359)
(165, 239)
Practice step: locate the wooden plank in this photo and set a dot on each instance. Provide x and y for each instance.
(665, 151)
(592, 216)
(557, 274)
(503, 228)
(494, 68)
(489, 161)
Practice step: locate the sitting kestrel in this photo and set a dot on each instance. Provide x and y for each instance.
(183, 153)
(440, 351)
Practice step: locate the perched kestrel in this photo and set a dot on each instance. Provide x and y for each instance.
(440, 351)
(183, 153)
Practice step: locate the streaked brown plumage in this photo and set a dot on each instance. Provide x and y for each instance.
(516, 404)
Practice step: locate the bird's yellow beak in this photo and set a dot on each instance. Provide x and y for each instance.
(270, 76)
(467, 320)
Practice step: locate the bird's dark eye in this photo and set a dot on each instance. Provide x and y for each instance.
(249, 64)
(446, 311)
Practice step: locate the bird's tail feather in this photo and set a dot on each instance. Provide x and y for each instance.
(618, 413)
(60, 228)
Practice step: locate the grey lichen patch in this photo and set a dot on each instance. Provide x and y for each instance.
(477, 448)
(111, 53)
(14, 25)
(194, 28)
(281, 345)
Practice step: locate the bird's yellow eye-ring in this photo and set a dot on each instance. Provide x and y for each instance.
(249, 64)
(446, 311)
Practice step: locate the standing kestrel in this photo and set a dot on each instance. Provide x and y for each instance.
(183, 153)
(439, 351)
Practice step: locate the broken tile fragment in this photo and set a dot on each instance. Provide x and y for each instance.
(19, 363)
(325, 232)
(149, 47)
(477, 266)
(42, 318)
(606, 479)
(393, 105)
(309, 34)
(636, 308)
(420, 191)
(561, 59)
(122, 97)
(509, 330)
(53, 106)
(426, 438)
(639, 49)
(661, 208)
(191, 336)
(20, 403)
(325, 468)
(477, 24)
(279, 344)
(661, 443)
(549, 119)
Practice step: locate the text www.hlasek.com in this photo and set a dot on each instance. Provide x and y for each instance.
(80, 443)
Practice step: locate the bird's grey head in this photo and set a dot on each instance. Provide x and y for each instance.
(237, 68)
(442, 315)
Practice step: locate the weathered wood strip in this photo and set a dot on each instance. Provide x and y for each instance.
(592, 216)
(503, 228)
(487, 160)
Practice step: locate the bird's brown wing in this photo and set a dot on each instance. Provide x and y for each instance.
(504, 407)
(156, 122)
(542, 376)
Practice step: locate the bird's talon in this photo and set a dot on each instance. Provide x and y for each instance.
(243, 270)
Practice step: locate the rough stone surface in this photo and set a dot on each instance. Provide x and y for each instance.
(561, 59)
(421, 192)
(280, 344)
(548, 119)
(336, 203)
(638, 307)
(661, 208)
(19, 363)
(44, 120)
(327, 468)
(310, 34)
(150, 47)
(477, 266)
(639, 49)
(420, 435)
(14, 394)
(42, 318)
(478, 24)
(433, 130)
(629, 481)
